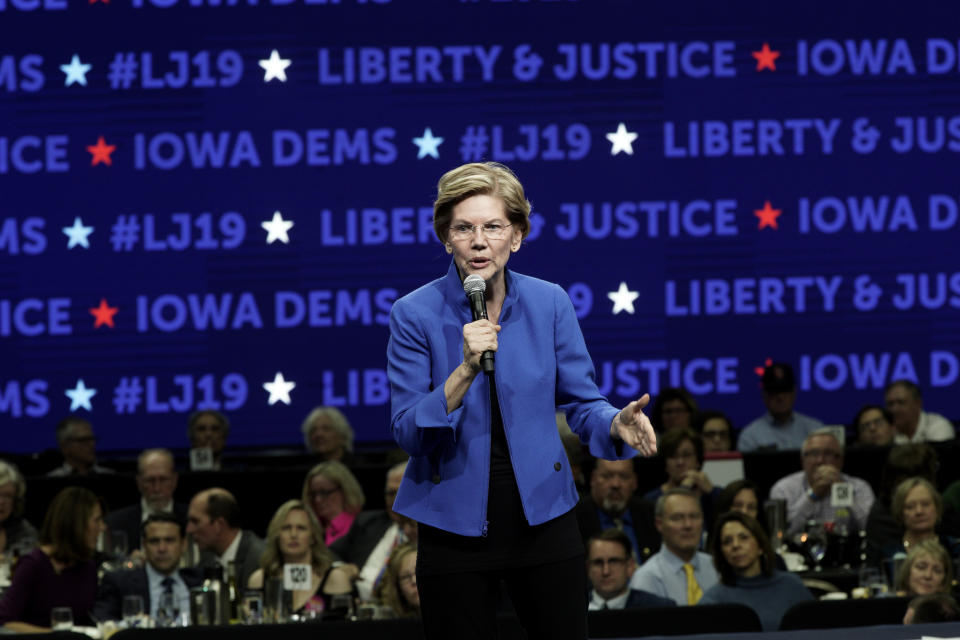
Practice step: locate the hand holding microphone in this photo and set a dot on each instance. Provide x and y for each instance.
(480, 336)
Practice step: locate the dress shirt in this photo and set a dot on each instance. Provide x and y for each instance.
(230, 554)
(663, 575)
(180, 591)
(765, 433)
(597, 602)
(65, 471)
(146, 510)
(931, 427)
(794, 489)
(372, 569)
(338, 527)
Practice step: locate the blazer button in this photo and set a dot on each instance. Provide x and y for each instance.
(436, 479)
(557, 466)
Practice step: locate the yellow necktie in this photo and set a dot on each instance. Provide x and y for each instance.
(694, 592)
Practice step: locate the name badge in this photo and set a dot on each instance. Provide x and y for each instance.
(297, 576)
(201, 459)
(841, 495)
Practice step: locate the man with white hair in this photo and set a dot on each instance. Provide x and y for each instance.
(156, 481)
(79, 448)
(905, 402)
(328, 435)
(808, 492)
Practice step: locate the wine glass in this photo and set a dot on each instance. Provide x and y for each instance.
(132, 610)
(816, 542)
(168, 610)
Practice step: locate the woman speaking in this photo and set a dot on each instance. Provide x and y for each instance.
(488, 479)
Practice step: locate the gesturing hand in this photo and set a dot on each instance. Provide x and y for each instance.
(633, 427)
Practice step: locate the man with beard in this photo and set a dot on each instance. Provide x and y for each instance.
(612, 504)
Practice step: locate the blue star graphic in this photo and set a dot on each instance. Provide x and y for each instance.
(80, 396)
(428, 145)
(78, 234)
(536, 226)
(76, 71)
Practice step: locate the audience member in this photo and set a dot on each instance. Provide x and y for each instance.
(936, 607)
(674, 408)
(79, 448)
(808, 492)
(682, 451)
(60, 572)
(918, 509)
(740, 495)
(164, 541)
(335, 496)
(610, 566)
(677, 571)
(716, 430)
(213, 521)
(927, 569)
(398, 590)
(746, 563)
(294, 537)
(156, 481)
(209, 429)
(874, 426)
(374, 534)
(781, 427)
(328, 435)
(612, 503)
(16, 534)
(912, 423)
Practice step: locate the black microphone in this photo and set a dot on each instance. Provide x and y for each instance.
(474, 287)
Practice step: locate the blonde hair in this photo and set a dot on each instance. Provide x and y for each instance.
(272, 560)
(908, 485)
(390, 593)
(10, 474)
(337, 420)
(935, 551)
(339, 473)
(477, 179)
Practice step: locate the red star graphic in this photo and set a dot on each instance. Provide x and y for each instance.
(765, 58)
(768, 216)
(759, 370)
(101, 152)
(103, 1)
(103, 314)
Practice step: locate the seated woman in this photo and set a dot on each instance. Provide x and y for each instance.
(674, 408)
(918, 508)
(744, 559)
(398, 590)
(716, 430)
(17, 536)
(927, 569)
(682, 451)
(60, 572)
(335, 496)
(294, 537)
(744, 496)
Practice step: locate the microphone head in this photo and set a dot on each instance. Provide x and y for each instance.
(474, 284)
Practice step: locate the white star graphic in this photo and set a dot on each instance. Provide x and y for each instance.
(76, 71)
(78, 234)
(623, 299)
(427, 145)
(277, 228)
(80, 396)
(622, 140)
(274, 67)
(279, 389)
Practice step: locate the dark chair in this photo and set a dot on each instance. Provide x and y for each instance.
(672, 621)
(829, 614)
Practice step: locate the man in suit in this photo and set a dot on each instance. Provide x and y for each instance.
(612, 503)
(156, 482)
(163, 544)
(213, 521)
(609, 567)
(366, 547)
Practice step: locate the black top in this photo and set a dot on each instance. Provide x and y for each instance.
(510, 540)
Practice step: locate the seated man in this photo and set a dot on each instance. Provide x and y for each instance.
(209, 429)
(874, 426)
(610, 565)
(156, 482)
(808, 492)
(328, 435)
(213, 521)
(366, 547)
(781, 427)
(79, 448)
(678, 571)
(912, 423)
(163, 544)
(612, 503)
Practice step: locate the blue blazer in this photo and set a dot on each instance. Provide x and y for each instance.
(542, 364)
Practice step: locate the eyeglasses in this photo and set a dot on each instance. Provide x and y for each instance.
(615, 563)
(323, 493)
(715, 434)
(821, 453)
(84, 440)
(874, 424)
(490, 230)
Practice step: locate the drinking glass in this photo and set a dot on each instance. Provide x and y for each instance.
(168, 610)
(132, 610)
(61, 618)
(873, 580)
(816, 542)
